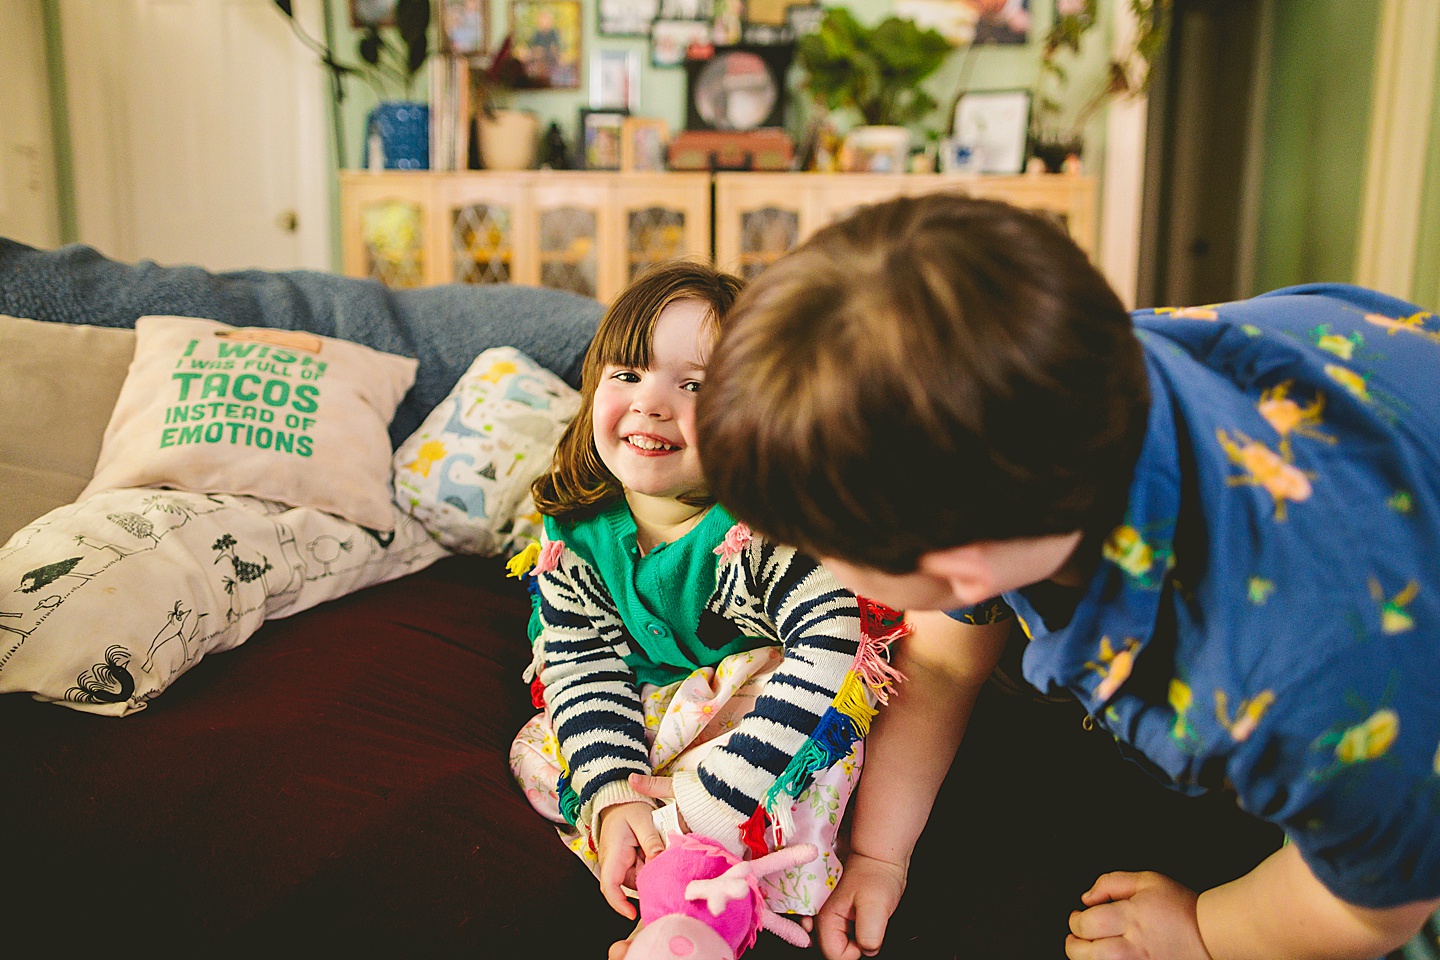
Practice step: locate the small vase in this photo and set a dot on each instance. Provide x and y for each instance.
(508, 139)
(404, 131)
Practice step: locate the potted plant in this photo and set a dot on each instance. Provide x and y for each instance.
(508, 138)
(389, 59)
(875, 72)
(1054, 140)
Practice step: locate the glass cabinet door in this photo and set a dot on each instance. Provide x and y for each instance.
(569, 249)
(392, 241)
(482, 242)
(653, 234)
(766, 235)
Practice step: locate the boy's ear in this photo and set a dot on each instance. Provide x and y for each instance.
(968, 570)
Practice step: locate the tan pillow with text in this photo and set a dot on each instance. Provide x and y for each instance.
(278, 414)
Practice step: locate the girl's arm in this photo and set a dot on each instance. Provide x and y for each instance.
(818, 624)
(907, 756)
(590, 691)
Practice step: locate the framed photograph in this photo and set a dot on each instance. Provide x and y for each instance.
(804, 19)
(600, 138)
(728, 22)
(993, 124)
(737, 88)
(1001, 21)
(464, 26)
(670, 40)
(686, 10)
(372, 13)
(626, 18)
(546, 38)
(615, 80)
(643, 141)
(769, 12)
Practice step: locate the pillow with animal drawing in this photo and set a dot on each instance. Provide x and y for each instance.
(103, 603)
(466, 473)
(279, 414)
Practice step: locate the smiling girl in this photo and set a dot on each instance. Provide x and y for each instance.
(669, 642)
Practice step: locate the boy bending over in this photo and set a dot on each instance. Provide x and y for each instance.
(1217, 528)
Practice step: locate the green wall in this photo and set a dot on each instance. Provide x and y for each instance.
(662, 90)
(1426, 288)
(1315, 135)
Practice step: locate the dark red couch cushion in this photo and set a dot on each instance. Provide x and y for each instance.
(340, 783)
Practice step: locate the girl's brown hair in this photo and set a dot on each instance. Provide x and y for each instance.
(578, 481)
(931, 372)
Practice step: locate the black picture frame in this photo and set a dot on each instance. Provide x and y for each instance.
(995, 124)
(701, 116)
(602, 132)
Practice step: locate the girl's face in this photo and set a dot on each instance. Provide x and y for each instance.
(645, 419)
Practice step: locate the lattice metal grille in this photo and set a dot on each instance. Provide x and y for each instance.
(765, 235)
(392, 232)
(483, 243)
(654, 234)
(568, 238)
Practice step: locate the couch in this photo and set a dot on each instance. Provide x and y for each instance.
(339, 783)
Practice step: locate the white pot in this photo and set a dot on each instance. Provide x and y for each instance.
(876, 150)
(508, 140)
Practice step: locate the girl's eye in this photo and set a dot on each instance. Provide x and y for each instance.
(626, 376)
(692, 385)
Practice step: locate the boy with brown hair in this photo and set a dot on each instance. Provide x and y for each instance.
(1215, 526)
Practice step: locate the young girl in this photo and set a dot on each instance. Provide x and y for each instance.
(669, 641)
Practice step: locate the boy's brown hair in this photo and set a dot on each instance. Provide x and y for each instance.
(931, 372)
(578, 481)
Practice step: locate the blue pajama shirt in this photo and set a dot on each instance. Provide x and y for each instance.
(1267, 615)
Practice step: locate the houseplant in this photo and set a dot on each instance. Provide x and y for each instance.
(1053, 137)
(508, 138)
(388, 60)
(873, 72)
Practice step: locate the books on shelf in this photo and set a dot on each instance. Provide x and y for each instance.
(450, 113)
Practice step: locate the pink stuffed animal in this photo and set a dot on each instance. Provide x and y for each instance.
(699, 901)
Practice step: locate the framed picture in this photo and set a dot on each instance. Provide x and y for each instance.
(642, 143)
(686, 10)
(1001, 21)
(728, 22)
(600, 138)
(804, 19)
(769, 12)
(671, 39)
(615, 80)
(737, 88)
(372, 13)
(626, 18)
(992, 124)
(464, 26)
(546, 38)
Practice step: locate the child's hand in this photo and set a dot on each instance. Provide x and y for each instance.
(1135, 915)
(852, 922)
(627, 839)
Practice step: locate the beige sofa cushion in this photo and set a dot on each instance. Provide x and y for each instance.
(58, 386)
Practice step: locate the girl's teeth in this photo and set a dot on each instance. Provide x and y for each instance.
(645, 443)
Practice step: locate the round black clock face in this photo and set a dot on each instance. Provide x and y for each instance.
(735, 90)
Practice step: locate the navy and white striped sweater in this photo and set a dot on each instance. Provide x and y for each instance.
(594, 701)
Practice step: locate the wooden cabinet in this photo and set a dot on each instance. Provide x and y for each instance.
(592, 232)
(589, 233)
(759, 216)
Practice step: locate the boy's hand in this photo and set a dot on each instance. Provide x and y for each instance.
(852, 922)
(627, 839)
(1135, 916)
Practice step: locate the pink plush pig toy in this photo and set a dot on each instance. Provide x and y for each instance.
(699, 901)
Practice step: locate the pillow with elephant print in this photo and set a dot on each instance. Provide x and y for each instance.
(466, 473)
(105, 602)
(278, 414)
